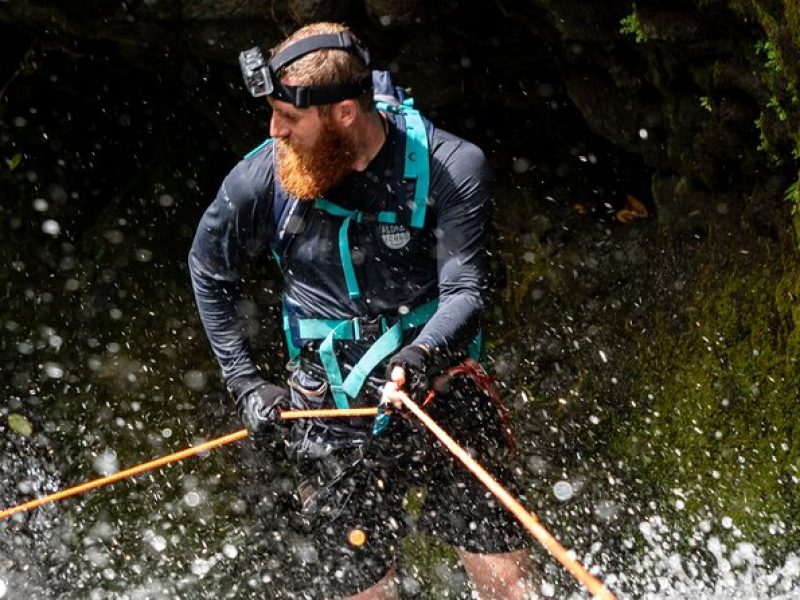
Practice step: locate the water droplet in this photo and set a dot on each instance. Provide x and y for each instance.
(563, 490)
(53, 370)
(727, 522)
(520, 165)
(306, 553)
(158, 543)
(114, 236)
(194, 380)
(201, 567)
(192, 499)
(51, 227)
(547, 589)
(144, 255)
(25, 347)
(106, 463)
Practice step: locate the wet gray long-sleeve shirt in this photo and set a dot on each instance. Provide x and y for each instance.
(397, 267)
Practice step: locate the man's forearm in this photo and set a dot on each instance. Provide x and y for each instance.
(219, 304)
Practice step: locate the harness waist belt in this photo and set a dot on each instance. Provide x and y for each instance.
(387, 338)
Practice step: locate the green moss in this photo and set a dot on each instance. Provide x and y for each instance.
(792, 196)
(792, 12)
(415, 500)
(20, 424)
(777, 62)
(630, 25)
(430, 562)
(721, 399)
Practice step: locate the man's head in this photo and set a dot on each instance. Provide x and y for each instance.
(316, 145)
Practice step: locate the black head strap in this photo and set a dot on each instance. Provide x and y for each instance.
(325, 41)
(302, 96)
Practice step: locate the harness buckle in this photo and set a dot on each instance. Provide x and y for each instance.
(368, 330)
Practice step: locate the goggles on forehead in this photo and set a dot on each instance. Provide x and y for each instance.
(261, 77)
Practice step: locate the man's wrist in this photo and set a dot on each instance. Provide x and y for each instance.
(239, 386)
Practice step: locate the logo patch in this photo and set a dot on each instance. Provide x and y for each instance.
(395, 236)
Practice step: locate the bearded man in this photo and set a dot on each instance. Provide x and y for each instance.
(379, 223)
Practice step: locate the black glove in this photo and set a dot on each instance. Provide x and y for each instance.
(260, 407)
(416, 362)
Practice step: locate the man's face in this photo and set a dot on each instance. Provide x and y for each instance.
(313, 153)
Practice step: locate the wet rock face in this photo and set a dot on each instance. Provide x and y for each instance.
(309, 11)
(394, 13)
(694, 88)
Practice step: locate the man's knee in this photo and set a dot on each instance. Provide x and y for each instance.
(508, 575)
(385, 589)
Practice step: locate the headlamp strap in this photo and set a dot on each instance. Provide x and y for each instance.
(325, 41)
(304, 96)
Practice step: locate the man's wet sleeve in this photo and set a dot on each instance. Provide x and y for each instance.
(228, 234)
(461, 199)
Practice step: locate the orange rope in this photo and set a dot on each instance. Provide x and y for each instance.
(324, 413)
(138, 469)
(527, 519)
(170, 458)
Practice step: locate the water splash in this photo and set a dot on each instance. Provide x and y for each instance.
(713, 570)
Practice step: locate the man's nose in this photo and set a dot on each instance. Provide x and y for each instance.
(278, 127)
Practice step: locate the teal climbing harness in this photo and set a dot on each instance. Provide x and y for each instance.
(388, 336)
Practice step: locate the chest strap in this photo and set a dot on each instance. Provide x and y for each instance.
(388, 338)
(344, 240)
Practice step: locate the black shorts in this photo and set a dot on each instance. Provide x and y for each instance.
(351, 507)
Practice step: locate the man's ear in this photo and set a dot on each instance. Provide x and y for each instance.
(344, 112)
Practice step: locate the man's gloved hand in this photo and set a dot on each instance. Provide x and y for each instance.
(259, 409)
(408, 371)
(414, 373)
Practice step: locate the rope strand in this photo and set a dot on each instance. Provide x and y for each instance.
(526, 518)
(170, 458)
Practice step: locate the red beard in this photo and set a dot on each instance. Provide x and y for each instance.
(308, 173)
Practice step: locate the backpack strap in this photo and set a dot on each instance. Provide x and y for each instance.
(416, 157)
(417, 162)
